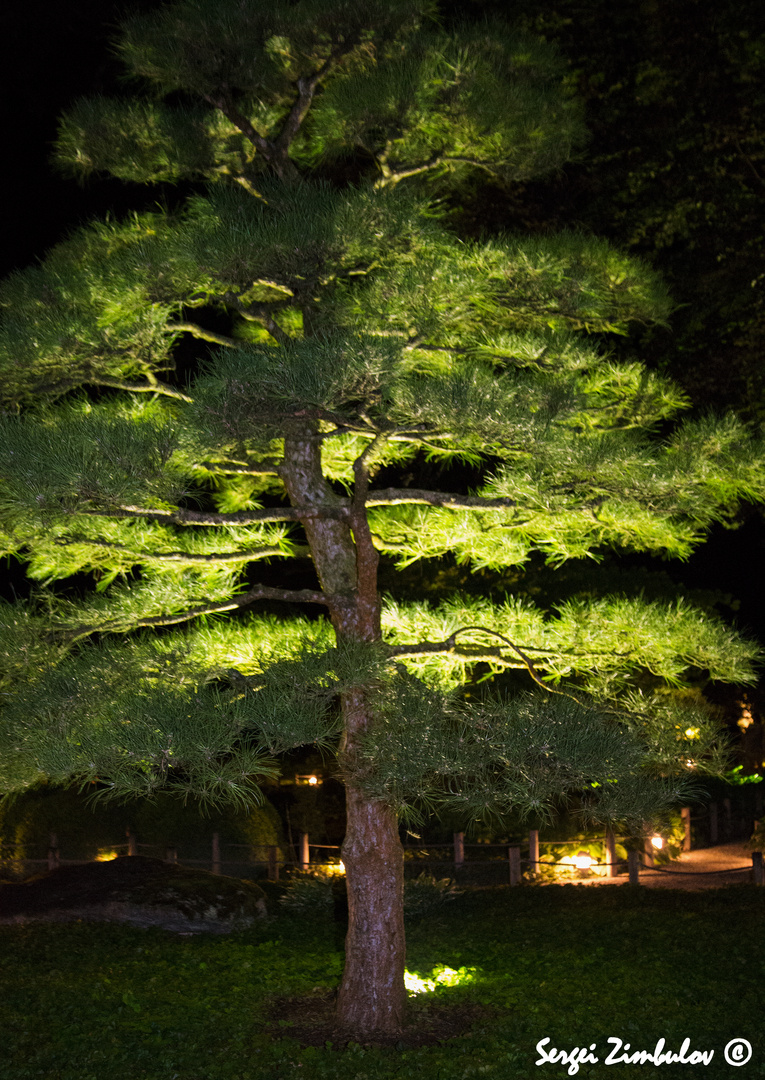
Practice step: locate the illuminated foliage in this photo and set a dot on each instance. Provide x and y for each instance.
(347, 343)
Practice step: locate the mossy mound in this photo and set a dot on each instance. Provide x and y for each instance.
(140, 891)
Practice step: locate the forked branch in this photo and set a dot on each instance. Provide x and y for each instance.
(449, 645)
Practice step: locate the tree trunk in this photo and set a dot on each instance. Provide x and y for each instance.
(372, 993)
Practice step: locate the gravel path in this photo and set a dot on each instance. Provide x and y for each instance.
(724, 860)
(716, 864)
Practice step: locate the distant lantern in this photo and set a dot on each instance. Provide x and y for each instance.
(658, 842)
(583, 860)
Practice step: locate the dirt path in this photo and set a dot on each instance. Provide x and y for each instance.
(707, 868)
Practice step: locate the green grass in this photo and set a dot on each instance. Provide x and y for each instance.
(100, 1002)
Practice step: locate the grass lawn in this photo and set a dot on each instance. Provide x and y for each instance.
(575, 965)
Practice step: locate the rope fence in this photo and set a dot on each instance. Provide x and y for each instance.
(272, 859)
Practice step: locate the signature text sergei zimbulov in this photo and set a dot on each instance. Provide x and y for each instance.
(737, 1052)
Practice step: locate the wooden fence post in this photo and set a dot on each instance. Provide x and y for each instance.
(53, 856)
(132, 843)
(171, 854)
(685, 814)
(633, 864)
(648, 852)
(727, 819)
(514, 860)
(714, 832)
(609, 848)
(273, 863)
(459, 850)
(216, 853)
(305, 853)
(534, 851)
(758, 871)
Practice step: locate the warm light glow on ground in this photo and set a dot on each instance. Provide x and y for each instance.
(333, 869)
(107, 856)
(440, 976)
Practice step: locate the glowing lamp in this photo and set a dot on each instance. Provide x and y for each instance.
(658, 842)
(313, 779)
(583, 860)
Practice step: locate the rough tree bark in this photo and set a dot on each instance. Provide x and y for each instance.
(372, 994)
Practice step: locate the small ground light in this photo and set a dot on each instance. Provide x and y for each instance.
(313, 779)
(658, 842)
(583, 860)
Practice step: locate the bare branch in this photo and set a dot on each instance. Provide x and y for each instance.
(204, 335)
(259, 592)
(306, 86)
(528, 664)
(247, 555)
(276, 158)
(402, 496)
(241, 517)
(261, 468)
(258, 313)
(141, 388)
(247, 184)
(474, 654)
(390, 177)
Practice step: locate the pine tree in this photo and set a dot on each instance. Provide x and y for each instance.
(343, 343)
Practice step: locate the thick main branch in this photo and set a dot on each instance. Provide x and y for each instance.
(259, 592)
(240, 517)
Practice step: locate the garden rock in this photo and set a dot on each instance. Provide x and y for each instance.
(139, 891)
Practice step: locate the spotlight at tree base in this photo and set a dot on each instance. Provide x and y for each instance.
(326, 871)
(440, 976)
